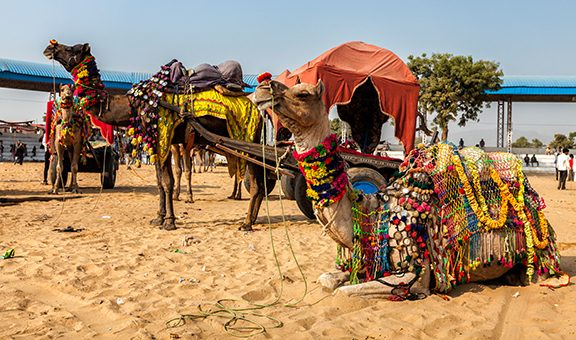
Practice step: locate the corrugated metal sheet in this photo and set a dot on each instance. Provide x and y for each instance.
(29, 71)
(537, 86)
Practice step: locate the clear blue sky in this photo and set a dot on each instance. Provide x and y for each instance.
(525, 37)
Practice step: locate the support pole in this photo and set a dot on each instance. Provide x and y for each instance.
(509, 125)
(500, 125)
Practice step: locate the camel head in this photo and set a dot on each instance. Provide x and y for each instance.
(299, 108)
(68, 56)
(67, 93)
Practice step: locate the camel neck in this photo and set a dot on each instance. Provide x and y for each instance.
(308, 139)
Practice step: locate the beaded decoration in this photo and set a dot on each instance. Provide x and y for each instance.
(325, 173)
(488, 214)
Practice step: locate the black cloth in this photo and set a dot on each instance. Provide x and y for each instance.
(46, 165)
(562, 179)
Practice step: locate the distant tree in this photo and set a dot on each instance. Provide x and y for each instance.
(561, 141)
(521, 142)
(572, 136)
(452, 87)
(536, 143)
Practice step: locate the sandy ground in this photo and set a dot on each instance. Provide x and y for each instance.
(120, 278)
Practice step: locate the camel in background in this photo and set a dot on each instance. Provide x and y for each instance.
(69, 133)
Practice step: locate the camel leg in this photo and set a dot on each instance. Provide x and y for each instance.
(234, 189)
(178, 167)
(159, 219)
(59, 167)
(167, 180)
(198, 156)
(256, 196)
(188, 176)
(193, 160)
(74, 167)
(238, 184)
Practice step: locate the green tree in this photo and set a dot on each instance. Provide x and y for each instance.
(521, 142)
(452, 87)
(571, 136)
(536, 143)
(561, 141)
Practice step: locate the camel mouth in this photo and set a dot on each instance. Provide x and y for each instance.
(263, 105)
(49, 52)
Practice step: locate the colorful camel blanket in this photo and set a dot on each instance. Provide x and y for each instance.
(80, 120)
(152, 126)
(463, 210)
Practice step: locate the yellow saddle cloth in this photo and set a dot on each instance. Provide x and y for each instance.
(241, 115)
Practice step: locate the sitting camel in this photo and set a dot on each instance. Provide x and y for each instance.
(69, 133)
(450, 216)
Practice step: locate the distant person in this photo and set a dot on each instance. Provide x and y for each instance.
(527, 160)
(19, 153)
(482, 143)
(46, 160)
(34, 151)
(461, 143)
(534, 160)
(556, 163)
(548, 150)
(562, 166)
(1, 150)
(571, 168)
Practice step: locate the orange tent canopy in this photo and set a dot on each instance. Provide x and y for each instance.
(346, 67)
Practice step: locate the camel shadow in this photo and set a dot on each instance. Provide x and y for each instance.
(568, 265)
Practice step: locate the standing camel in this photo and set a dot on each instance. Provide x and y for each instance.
(116, 110)
(432, 227)
(69, 133)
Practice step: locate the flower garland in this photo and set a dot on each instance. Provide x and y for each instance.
(325, 173)
(89, 88)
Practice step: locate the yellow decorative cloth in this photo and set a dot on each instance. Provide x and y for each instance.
(241, 115)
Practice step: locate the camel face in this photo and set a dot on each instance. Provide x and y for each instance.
(68, 56)
(66, 93)
(301, 104)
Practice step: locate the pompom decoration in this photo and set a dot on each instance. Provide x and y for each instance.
(53, 42)
(264, 76)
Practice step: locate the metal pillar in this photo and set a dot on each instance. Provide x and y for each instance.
(509, 125)
(500, 125)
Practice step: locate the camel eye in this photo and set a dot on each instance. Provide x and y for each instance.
(302, 95)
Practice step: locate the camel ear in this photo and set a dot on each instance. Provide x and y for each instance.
(86, 48)
(319, 88)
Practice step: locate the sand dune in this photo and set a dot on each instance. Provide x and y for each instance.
(120, 278)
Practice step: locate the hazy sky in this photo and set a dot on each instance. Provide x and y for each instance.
(525, 37)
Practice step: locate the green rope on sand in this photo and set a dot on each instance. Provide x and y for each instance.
(240, 322)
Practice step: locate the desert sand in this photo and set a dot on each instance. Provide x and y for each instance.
(120, 278)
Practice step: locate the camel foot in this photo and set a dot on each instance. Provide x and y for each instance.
(245, 227)
(157, 221)
(168, 224)
(230, 197)
(189, 200)
(52, 192)
(176, 197)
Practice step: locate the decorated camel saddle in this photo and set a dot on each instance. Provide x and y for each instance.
(205, 91)
(448, 216)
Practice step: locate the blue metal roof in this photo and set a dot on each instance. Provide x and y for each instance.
(44, 73)
(537, 86)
